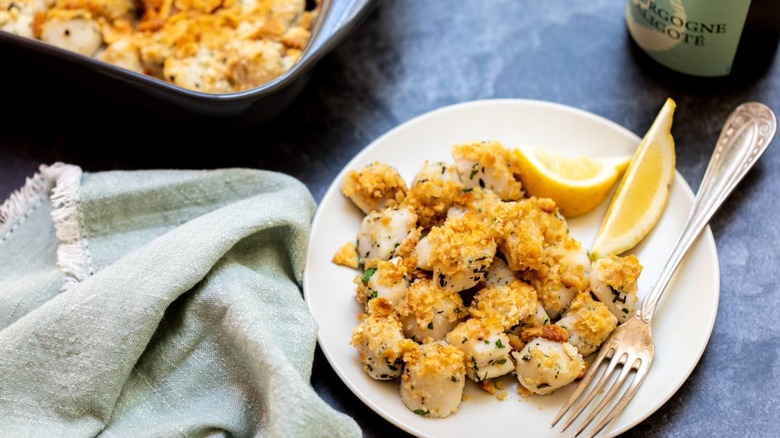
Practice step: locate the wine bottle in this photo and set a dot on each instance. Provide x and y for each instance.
(705, 41)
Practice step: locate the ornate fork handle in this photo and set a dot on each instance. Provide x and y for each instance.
(746, 134)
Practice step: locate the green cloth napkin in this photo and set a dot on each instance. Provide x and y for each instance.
(158, 303)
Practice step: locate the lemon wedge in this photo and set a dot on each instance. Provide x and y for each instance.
(643, 191)
(576, 184)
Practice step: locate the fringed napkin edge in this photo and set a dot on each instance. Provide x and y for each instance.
(60, 183)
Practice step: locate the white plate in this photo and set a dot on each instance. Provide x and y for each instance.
(682, 325)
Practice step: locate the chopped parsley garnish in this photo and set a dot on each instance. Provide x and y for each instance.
(367, 275)
(473, 171)
(616, 294)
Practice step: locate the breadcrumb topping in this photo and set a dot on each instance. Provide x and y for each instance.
(462, 244)
(423, 298)
(622, 272)
(433, 193)
(347, 256)
(436, 359)
(374, 187)
(212, 46)
(507, 304)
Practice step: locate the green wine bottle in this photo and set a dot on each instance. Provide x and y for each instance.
(718, 40)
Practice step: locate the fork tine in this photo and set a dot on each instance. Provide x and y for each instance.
(603, 353)
(641, 373)
(582, 404)
(610, 395)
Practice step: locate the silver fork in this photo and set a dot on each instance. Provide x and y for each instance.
(745, 135)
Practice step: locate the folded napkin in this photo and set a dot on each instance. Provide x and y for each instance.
(158, 303)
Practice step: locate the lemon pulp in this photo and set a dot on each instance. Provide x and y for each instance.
(576, 184)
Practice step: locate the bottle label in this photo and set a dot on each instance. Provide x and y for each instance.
(696, 37)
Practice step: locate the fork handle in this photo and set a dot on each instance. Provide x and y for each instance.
(746, 134)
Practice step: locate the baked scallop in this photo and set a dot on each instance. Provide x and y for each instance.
(433, 380)
(544, 365)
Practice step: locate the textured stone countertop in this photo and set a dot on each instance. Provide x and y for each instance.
(409, 57)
